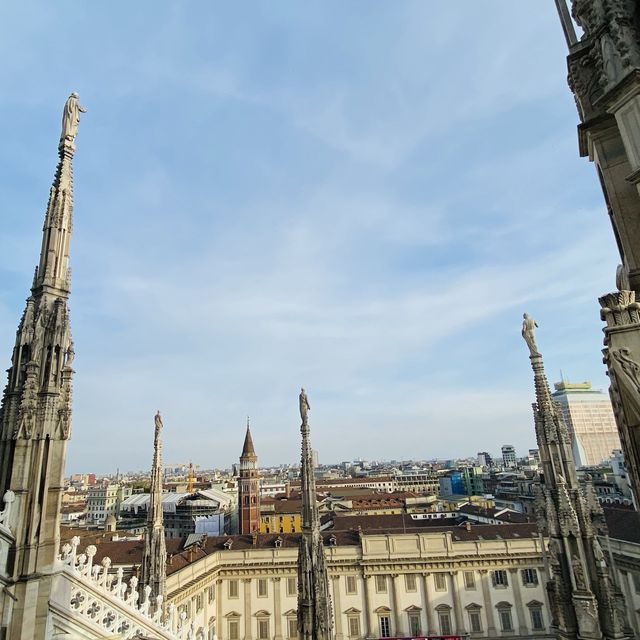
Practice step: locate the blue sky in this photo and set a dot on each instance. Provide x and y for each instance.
(361, 198)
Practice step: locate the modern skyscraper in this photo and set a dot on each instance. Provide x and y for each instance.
(589, 419)
(508, 455)
(36, 407)
(248, 488)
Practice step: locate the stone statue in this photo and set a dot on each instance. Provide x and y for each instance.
(304, 406)
(598, 554)
(158, 421)
(71, 118)
(529, 326)
(578, 573)
(71, 354)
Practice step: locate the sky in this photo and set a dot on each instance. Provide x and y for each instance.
(359, 198)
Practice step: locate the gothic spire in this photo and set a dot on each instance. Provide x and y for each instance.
(35, 418)
(53, 272)
(248, 450)
(584, 601)
(154, 570)
(315, 620)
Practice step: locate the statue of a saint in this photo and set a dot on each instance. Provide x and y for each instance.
(578, 573)
(70, 354)
(304, 406)
(529, 326)
(158, 421)
(71, 118)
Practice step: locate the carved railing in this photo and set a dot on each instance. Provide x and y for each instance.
(116, 606)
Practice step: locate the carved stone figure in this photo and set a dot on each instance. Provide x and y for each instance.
(578, 573)
(158, 422)
(622, 278)
(304, 406)
(598, 554)
(529, 327)
(70, 355)
(71, 118)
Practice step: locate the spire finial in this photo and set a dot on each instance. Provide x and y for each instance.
(71, 118)
(529, 326)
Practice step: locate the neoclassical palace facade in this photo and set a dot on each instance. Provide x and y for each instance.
(486, 581)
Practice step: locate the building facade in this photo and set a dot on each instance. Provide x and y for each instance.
(589, 418)
(104, 501)
(486, 581)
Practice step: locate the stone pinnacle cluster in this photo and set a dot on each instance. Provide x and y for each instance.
(154, 567)
(585, 603)
(35, 418)
(315, 621)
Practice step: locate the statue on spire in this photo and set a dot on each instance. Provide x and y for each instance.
(529, 326)
(71, 118)
(304, 406)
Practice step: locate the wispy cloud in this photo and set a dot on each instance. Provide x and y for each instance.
(359, 198)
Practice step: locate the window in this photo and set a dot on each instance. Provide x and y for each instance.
(354, 626)
(385, 627)
(198, 602)
(504, 613)
(292, 587)
(211, 593)
(234, 628)
(529, 577)
(475, 619)
(636, 581)
(537, 621)
(410, 584)
(262, 588)
(381, 585)
(352, 585)
(263, 628)
(292, 626)
(500, 578)
(444, 619)
(440, 580)
(233, 588)
(415, 628)
(469, 580)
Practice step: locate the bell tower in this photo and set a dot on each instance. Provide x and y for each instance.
(248, 488)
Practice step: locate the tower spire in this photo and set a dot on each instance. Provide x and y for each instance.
(154, 568)
(248, 487)
(315, 621)
(584, 601)
(35, 417)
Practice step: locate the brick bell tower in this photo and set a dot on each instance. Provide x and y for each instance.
(248, 488)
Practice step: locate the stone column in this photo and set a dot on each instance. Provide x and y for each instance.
(368, 607)
(247, 608)
(522, 619)
(398, 630)
(488, 606)
(626, 589)
(277, 609)
(337, 608)
(455, 587)
(426, 599)
(220, 630)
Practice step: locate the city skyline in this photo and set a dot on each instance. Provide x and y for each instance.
(235, 240)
